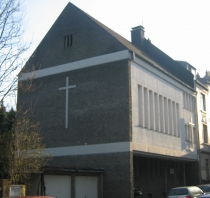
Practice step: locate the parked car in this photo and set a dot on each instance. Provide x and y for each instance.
(185, 192)
(205, 196)
(205, 188)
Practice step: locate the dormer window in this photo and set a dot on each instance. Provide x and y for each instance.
(68, 41)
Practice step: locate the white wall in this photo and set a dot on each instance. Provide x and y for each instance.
(203, 114)
(167, 142)
(203, 118)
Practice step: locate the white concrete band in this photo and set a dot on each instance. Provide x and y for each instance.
(116, 56)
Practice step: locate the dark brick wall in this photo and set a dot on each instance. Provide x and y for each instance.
(153, 175)
(192, 173)
(117, 172)
(89, 40)
(98, 106)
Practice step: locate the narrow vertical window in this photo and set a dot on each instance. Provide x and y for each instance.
(174, 118)
(71, 39)
(161, 112)
(141, 106)
(188, 102)
(177, 119)
(146, 108)
(205, 133)
(184, 100)
(157, 114)
(68, 40)
(192, 104)
(151, 109)
(166, 116)
(202, 102)
(188, 132)
(170, 117)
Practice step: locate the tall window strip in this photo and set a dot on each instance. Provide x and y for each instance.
(68, 40)
(174, 118)
(188, 102)
(205, 134)
(202, 102)
(184, 100)
(166, 115)
(188, 132)
(141, 106)
(146, 108)
(170, 117)
(177, 119)
(194, 135)
(159, 113)
(151, 107)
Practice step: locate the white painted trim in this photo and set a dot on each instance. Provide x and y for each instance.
(119, 147)
(89, 149)
(161, 151)
(116, 56)
(166, 77)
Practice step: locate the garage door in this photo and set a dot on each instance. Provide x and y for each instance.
(58, 186)
(86, 187)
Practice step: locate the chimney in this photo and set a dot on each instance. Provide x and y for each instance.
(137, 36)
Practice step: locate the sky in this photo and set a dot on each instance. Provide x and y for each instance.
(180, 28)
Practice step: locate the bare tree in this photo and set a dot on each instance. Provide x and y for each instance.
(12, 46)
(22, 150)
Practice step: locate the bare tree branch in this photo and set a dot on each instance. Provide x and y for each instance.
(12, 46)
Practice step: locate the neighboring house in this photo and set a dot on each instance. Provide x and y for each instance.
(114, 114)
(203, 115)
(203, 118)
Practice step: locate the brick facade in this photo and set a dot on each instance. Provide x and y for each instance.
(99, 106)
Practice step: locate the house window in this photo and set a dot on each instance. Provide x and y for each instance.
(68, 40)
(146, 108)
(151, 109)
(188, 133)
(157, 112)
(188, 101)
(202, 102)
(205, 133)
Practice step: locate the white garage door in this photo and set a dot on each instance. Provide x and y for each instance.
(86, 187)
(58, 186)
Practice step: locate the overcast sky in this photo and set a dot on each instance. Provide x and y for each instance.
(180, 28)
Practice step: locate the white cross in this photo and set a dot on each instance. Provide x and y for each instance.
(67, 87)
(191, 124)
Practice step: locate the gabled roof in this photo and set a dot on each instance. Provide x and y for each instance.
(154, 56)
(107, 41)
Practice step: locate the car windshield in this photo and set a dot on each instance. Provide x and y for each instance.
(205, 188)
(181, 191)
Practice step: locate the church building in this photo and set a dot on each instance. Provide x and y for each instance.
(115, 115)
